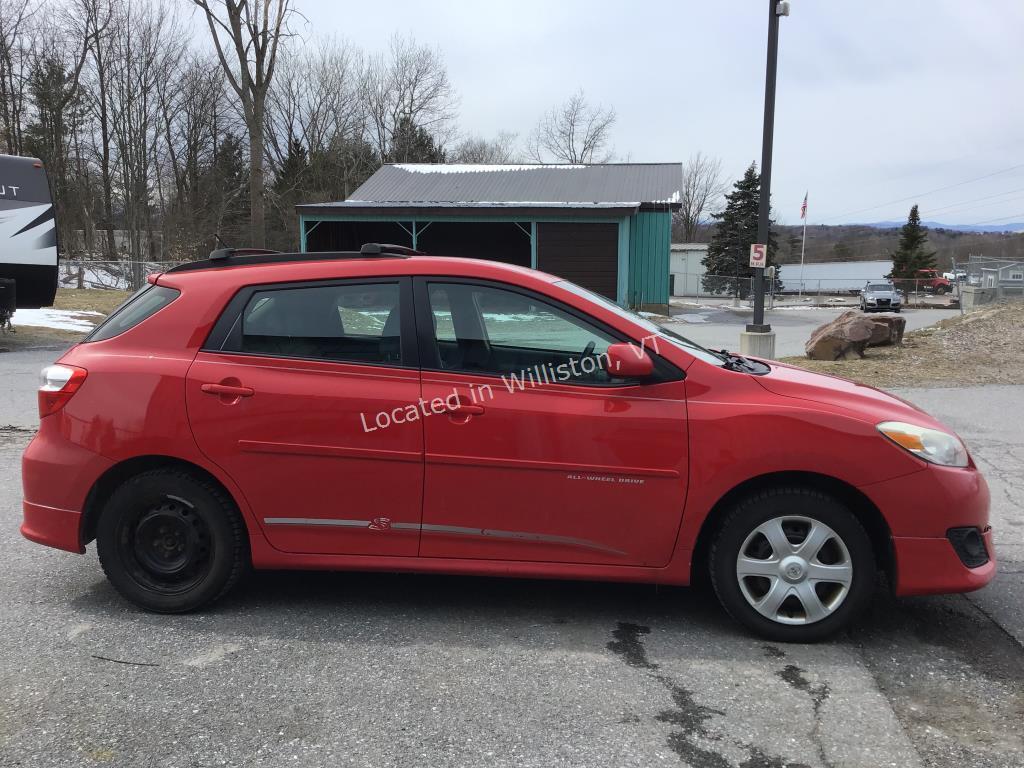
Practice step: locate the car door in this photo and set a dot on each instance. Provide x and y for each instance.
(284, 398)
(533, 452)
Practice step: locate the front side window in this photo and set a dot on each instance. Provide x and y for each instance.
(655, 332)
(353, 323)
(481, 329)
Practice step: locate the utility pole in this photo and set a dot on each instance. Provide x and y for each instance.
(759, 339)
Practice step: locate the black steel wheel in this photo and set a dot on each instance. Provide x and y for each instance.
(170, 541)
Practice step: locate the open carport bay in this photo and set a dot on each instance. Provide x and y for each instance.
(387, 670)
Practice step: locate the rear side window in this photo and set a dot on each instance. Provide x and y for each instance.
(145, 303)
(347, 323)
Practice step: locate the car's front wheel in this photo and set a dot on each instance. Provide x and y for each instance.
(793, 564)
(171, 541)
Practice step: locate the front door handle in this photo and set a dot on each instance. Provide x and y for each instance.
(227, 390)
(467, 410)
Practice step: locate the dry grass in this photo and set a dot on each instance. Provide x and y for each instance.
(83, 300)
(983, 347)
(89, 299)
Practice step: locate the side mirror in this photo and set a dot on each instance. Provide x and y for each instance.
(628, 361)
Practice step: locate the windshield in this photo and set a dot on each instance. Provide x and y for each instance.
(657, 332)
(880, 287)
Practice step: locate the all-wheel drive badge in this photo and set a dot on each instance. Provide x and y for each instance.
(380, 524)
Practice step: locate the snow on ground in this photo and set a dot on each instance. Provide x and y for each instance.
(691, 318)
(61, 319)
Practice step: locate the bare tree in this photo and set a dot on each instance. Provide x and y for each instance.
(479, 151)
(574, 132)
(407, 86)
(59, 49)
(99, 16)
(702, 187)
(250, 34)
(145, 47)
(15, 60)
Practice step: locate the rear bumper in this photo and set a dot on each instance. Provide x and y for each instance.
(932, 567)
(56, 477)
(52, 526)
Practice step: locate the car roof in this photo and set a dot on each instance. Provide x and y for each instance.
(256, 269)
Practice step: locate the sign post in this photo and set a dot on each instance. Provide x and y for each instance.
(758, 339)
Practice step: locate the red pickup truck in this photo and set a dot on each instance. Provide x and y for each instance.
(933, 281)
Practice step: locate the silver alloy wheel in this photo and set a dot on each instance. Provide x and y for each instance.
(794, 570)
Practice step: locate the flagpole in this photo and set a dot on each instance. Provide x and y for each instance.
(803, 247)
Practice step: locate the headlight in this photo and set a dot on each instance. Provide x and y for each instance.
(929, 444)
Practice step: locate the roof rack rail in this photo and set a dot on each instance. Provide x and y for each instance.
(219, 254)
(242, 257)
(388, 249)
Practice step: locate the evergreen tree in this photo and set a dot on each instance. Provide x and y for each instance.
(224, 204)
(842, 252)
(911, 254)
(727, 262)
(412, 143)
(290, 187)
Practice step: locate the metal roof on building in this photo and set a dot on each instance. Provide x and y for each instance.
(606, 187)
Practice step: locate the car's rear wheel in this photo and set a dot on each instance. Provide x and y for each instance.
(170, 541)
(793, 564)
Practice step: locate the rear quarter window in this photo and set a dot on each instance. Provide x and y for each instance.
(145, 303)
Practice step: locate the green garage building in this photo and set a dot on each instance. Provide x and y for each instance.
(606, 227)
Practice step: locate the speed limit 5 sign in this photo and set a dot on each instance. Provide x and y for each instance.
(758, 254)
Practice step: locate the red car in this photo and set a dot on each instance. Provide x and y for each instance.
(390, 411)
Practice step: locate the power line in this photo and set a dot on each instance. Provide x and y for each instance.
(928, 192)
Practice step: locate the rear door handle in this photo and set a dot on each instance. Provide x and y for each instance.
(227, 390)
(464, 410)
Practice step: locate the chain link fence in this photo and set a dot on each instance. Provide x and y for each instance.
(703, 286)
(118, 275)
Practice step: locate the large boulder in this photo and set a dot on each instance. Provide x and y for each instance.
(889, 328)
(842, 338)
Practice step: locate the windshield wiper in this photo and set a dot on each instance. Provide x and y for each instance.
(739, 363)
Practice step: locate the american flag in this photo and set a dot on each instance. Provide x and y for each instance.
(803, 208)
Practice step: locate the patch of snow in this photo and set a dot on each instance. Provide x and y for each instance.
(475, 168)
(673, 198)
(61, 319)
(692, 318)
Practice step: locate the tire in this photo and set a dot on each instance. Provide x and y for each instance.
(897, 310)
(170, 541)
(792, 513)
(940, 291)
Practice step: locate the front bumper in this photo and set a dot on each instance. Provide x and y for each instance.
(932, 567)
(920, 510)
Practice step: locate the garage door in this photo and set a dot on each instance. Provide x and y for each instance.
(587, 254)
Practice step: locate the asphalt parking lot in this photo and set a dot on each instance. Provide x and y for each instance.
(319, 669)
(717, 324)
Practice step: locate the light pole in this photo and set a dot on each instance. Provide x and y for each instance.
(759, 339)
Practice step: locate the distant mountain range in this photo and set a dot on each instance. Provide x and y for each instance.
(1014, 227)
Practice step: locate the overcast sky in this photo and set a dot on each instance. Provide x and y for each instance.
(877, 101)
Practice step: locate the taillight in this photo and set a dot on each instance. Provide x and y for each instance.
(60, 382)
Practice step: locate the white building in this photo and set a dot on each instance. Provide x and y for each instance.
(686, 268)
